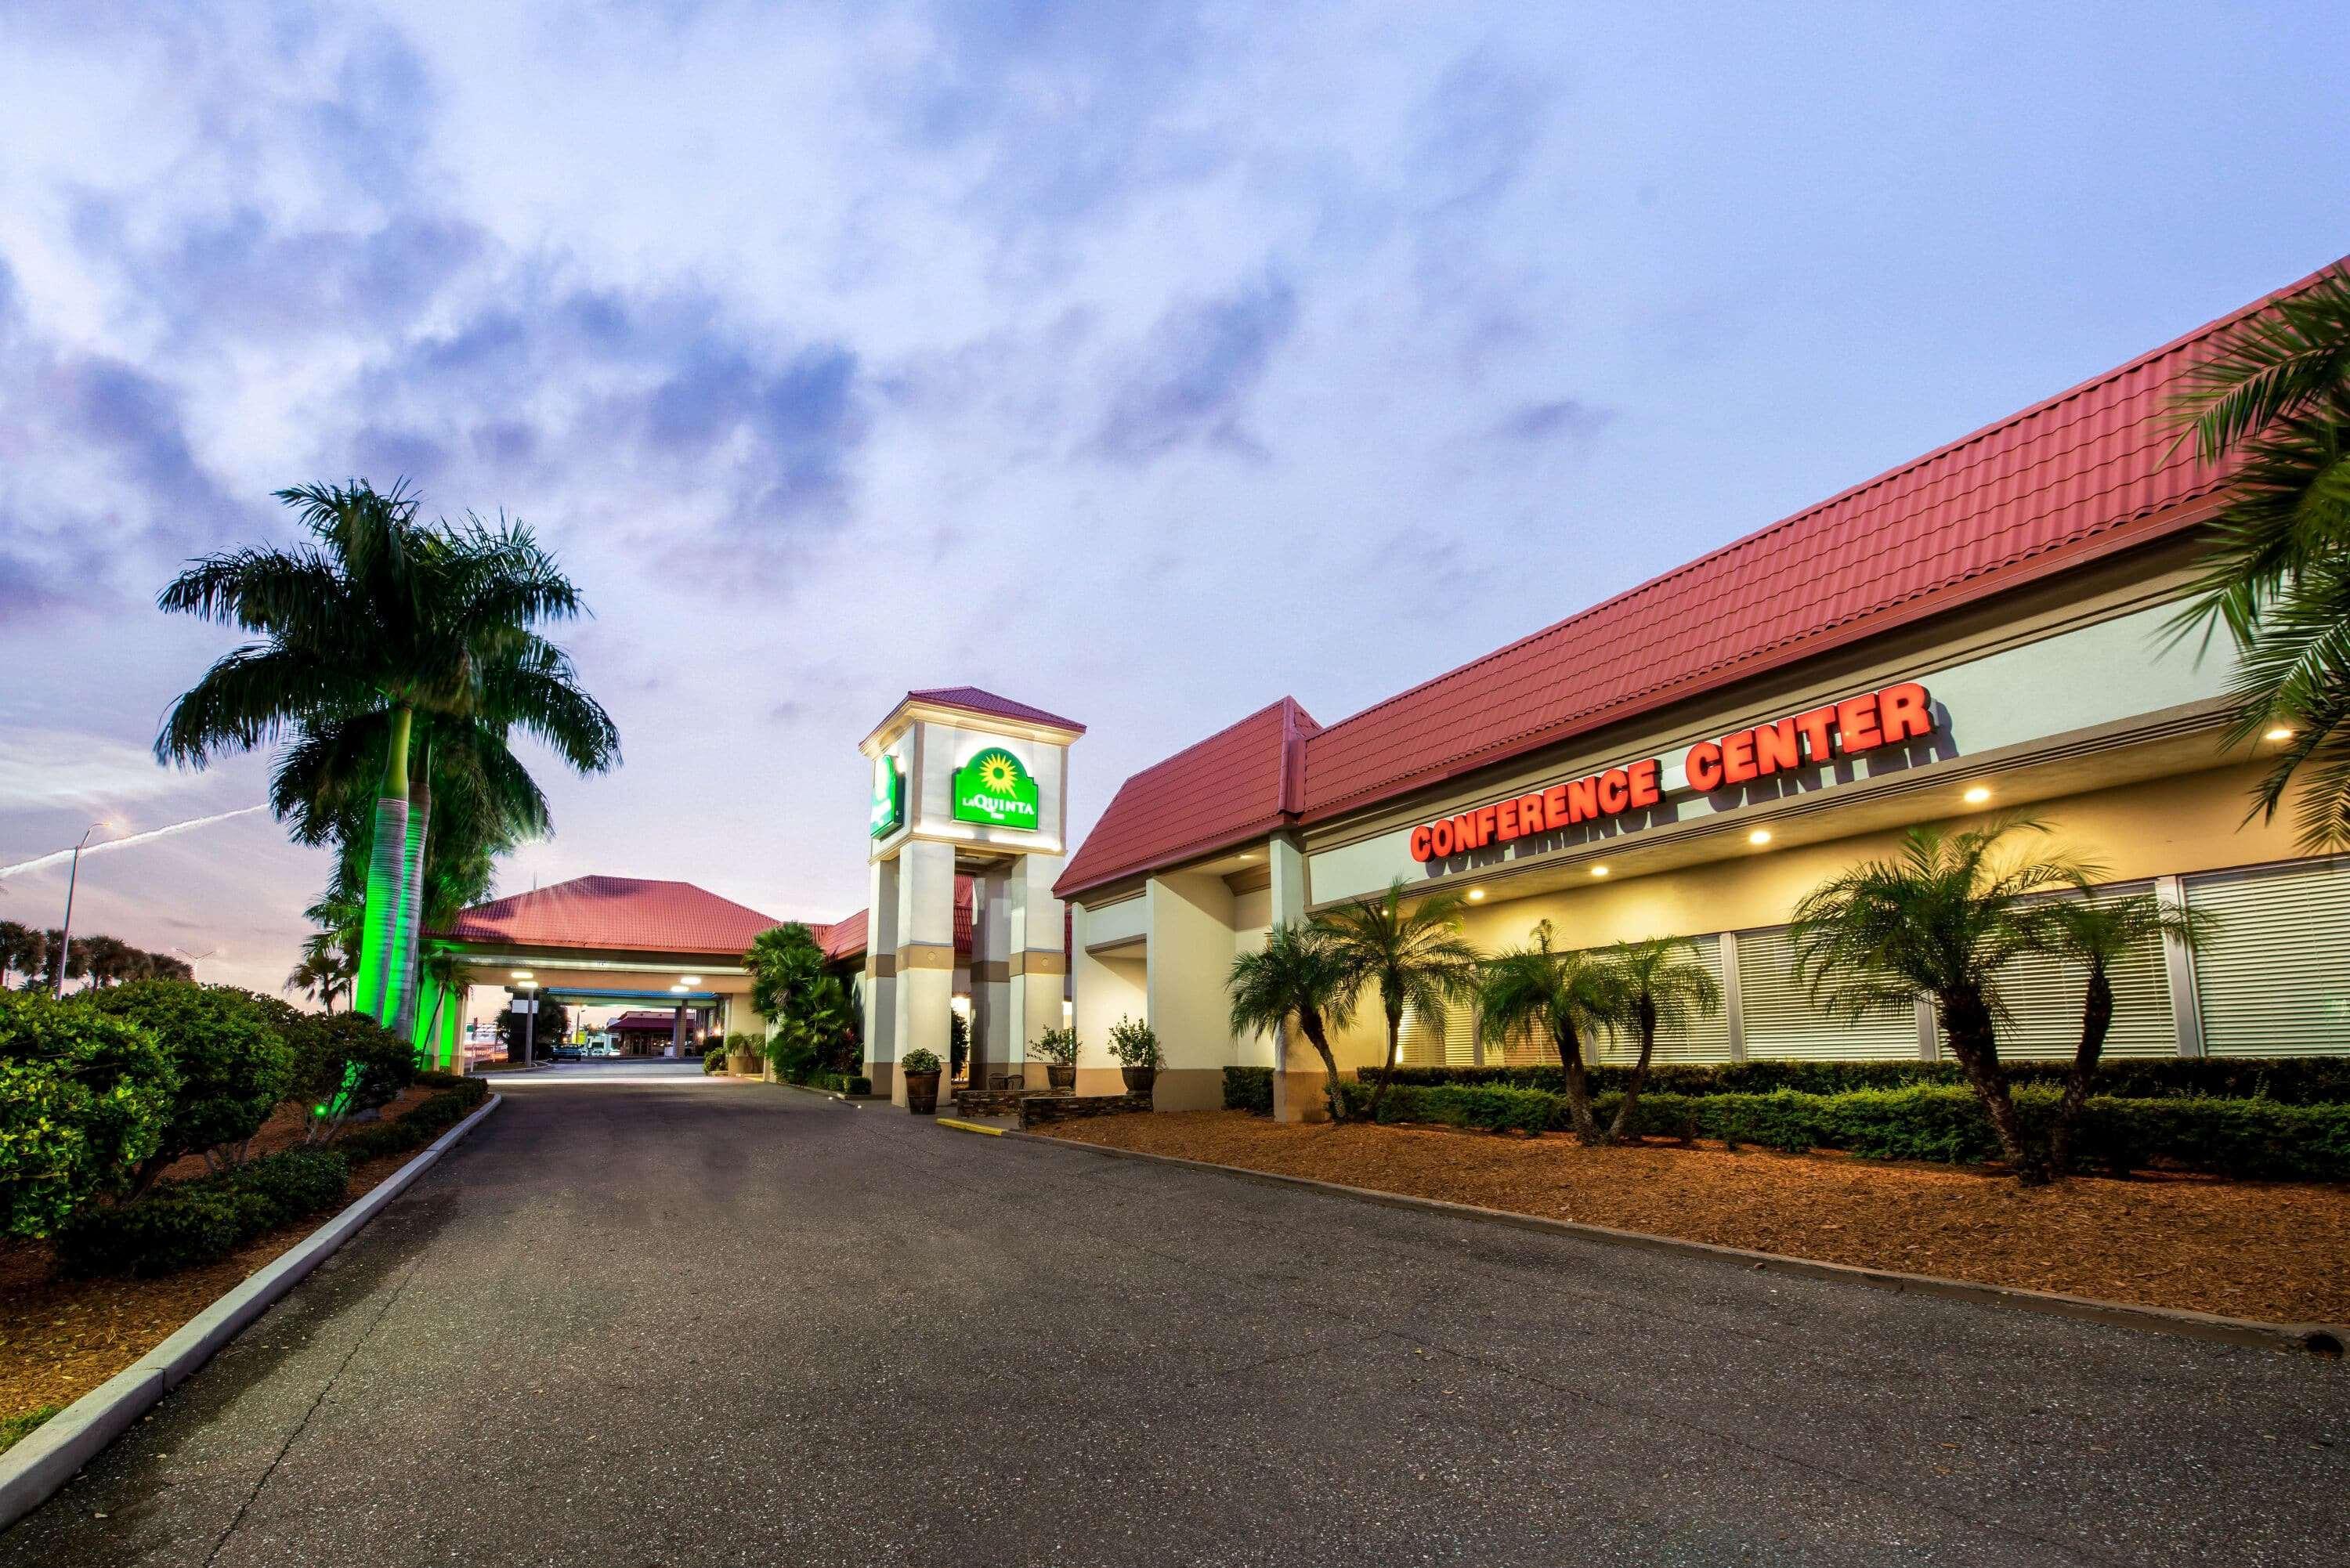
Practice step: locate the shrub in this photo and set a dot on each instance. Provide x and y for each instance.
(1133, 1044)
(1058, 1046)
(185, 1223)
(2288, 1080)
(233, 1064)
(1249, 1089)
(714, 1059)
(346, 1062)
(85, 1097)
(457, 1099)
(919, 1061)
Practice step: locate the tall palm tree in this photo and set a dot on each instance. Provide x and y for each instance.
(1412, 954)
(1537, 992)
(380, 616)
(323, 975)
(2274, 400)
(1943, 916)
(2097, 936)
(1298, 974)
(24, 949)
(1658, 984)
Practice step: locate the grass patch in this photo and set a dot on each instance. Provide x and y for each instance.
(14, 1429)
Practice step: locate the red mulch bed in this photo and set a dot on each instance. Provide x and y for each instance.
(61, 1338)
(2268, 1250)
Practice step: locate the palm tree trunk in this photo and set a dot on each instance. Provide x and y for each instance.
(411, 892)
(1623, 1123)
(1310, 1021)
(1387, 1067)
(2096, 1018)
(387, 856)
(1578, 1087)
(1967, 1025)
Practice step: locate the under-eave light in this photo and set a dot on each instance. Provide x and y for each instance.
(519, 973)
(1760, 836)
(1475, 894)
(1599, 870)
(1978, 794)
(2282, 732)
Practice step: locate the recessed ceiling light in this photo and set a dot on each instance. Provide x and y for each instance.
(691, 979)
(677, 988)
(2282, 732)
(1475, 894)
(519, 973)
(1978, 794)
(1599, 870)
(1760, 836)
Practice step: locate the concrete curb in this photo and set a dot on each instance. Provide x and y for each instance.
(32, 1471)
(854, 1102)
(2322, 1339)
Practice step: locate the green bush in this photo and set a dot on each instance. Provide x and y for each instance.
(2249, 1139)
(714, 1059)
(2288, 1080)
(85, 1098)
(920, 1059)
(332, 1051)
(1059, 1047)
(183, 1224)
(1134, 1044)
(234, 1066)
(457, 1099)
(1249, 1089)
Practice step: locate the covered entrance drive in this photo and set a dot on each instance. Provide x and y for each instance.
(622, 944)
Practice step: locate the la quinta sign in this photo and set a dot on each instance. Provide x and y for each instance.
(994, 788)
(1861, 723)
(889, 795)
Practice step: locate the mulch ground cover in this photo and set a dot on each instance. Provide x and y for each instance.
(2273, 1251)
(61, 1338)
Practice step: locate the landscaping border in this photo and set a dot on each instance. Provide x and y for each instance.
(52, 1453)
(2325, 1339)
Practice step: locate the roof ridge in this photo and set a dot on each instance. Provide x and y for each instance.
(1978, 435)
(1174, 757)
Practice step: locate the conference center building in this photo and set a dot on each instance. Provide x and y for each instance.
(1986, 629)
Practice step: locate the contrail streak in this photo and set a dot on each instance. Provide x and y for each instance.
(62, 856)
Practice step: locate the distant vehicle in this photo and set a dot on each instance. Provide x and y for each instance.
(568, 1053)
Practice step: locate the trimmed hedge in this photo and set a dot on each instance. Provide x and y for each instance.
(2287, 1080)
(84, 1100)
(1249, 1089)
(457, 1098)
(185, 1223)
(2241, 1137)
(842, 1083)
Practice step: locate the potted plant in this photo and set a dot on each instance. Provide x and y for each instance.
(922, 1072)
(1138, 1057)
(1058, 1050)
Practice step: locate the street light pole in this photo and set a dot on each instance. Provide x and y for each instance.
(195, 959)
(65, 932)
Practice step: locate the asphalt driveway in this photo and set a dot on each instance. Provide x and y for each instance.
(648, 1323)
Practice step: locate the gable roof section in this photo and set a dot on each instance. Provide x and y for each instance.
(1239, 782)
(2086, 471)
(624, 913)
(972, 699)
(847, 937)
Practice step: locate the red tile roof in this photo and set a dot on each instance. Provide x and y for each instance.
(846, 939)
(1238, 784)
(972, 699)
(2085, 473)
(623, 913)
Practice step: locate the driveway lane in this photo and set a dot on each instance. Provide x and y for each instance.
(654, 1322)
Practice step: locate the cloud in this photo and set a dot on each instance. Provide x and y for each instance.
(1190, 381)
(1568, 418)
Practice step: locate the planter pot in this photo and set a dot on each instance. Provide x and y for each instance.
(1139, 1079)
(922, 1094)
(742, 1063)
(1061, 1077)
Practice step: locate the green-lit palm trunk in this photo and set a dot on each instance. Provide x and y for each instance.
(412, 894)
(372, 991)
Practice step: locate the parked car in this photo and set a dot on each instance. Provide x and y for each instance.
(569, 1054)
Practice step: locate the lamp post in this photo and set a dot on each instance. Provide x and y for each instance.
(65, 932)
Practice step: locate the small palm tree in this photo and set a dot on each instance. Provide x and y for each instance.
(1658, 984)
(2098, 936)
(324, 974)
(1298, 974)
(1538, 992)
(2274, 400)
(1414, 955)
(1942, 917)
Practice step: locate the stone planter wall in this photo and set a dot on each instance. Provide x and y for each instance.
(1037, 1109)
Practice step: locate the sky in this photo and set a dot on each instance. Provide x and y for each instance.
(1143, 362)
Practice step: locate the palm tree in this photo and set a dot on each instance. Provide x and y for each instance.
(383, 619)
(1942, 917)
(2097, 936)
(324, 973)
(1296, 974)
(1656, 985)
(2274, 400)
(1415, 956)
(1537, 992)
(24, 949)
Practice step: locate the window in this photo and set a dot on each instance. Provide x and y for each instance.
(2044, 999)
(2275, 977)
(1781, 1020)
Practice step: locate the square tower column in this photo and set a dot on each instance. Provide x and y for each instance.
(924, 956)
(1037, 956)
(995, 1044)
(881, 976)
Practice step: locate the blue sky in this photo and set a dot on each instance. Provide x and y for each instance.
(1143, 362)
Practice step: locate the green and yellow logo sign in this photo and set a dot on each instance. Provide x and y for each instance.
(993, 788)
(889, 795)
